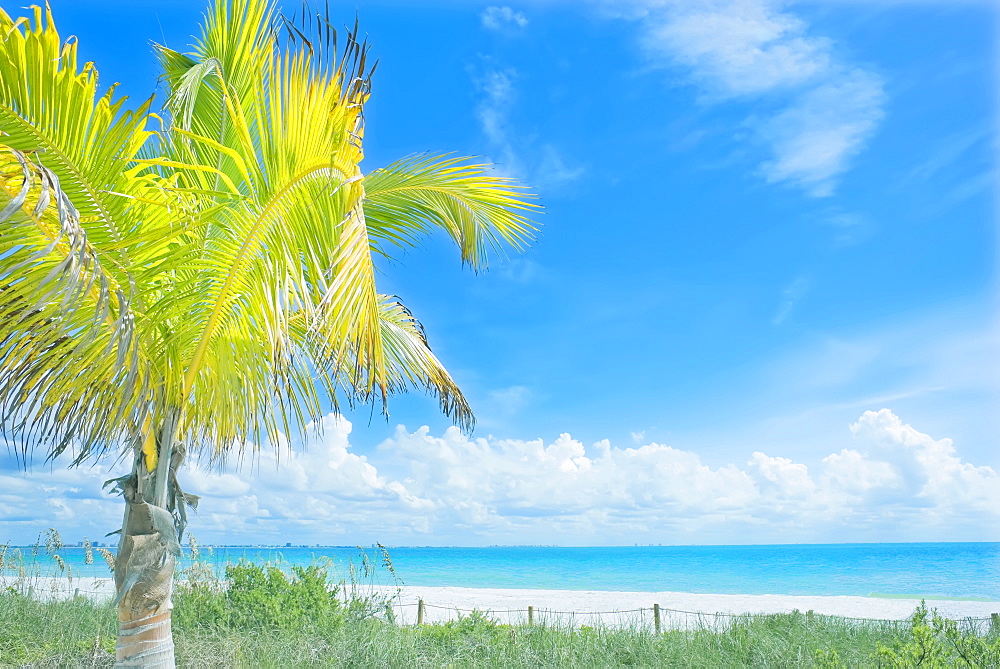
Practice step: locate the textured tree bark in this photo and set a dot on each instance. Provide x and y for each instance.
(147, 553)
(145, 587)
(144, 641)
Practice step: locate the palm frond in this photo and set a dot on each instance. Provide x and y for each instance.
(219, 279)
(50, 105)
(483, 213)
(411, 364)
(60, 311)
(289, 257)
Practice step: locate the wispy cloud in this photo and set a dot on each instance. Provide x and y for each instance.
(790, 296)
(956, 348)
(736, 47)
(552, 169)
(540, 165)
(814, 139)
(753, 51)
(500, 18)
(950, 151)
(516, 153)
(494, 110)
(507, 402)
(849, 228)
(518, 271)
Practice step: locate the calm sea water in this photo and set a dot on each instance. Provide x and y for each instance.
(947, 570)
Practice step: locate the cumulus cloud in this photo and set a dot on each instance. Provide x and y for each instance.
(893, 482)
(931, 469)
(825, 110)
(499, 18)
(69, 500)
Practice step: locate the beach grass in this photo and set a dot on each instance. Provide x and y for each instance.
(261, 616)
(277, 615)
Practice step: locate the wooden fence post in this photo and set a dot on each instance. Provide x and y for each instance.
(995, 621)
(531, 615)
(656, 617)
(420, 612)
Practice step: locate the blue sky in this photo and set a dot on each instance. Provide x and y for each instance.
(763, 306)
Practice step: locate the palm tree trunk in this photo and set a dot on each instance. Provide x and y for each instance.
(144, 568)
(145, 641)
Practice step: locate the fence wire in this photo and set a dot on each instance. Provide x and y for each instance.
(644, 617)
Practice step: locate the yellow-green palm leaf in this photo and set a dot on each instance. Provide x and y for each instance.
(481, 212)
(72, 369)
(227, 260)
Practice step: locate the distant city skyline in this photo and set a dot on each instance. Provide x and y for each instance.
(764, 306)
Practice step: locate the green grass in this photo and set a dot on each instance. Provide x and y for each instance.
(80, 633)
(262, 616)
(265, 618)
(55, 634)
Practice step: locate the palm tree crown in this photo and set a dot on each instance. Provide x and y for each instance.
(209, 270)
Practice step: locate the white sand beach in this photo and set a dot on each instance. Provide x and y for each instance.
(579, 607)
(441, 604)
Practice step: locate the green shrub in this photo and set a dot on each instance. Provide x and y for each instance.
(939, 643)
(263, 598)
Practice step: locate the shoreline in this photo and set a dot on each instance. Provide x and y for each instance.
(442, 603)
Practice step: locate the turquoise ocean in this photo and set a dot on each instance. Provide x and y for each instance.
(930, 570)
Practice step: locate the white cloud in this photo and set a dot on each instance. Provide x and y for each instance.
(789, 478)
(791, 295)
(71, 501)
(956, 349)
(552, 169)
(493, 111)
(541, 167)
(849, 228)
(853, 474)
(737, 47)
(510, 400)
(498, 18)
(931, 467)
(754, 51)
(814, 139)
(896, 483)
(952, 150)
(518, 270)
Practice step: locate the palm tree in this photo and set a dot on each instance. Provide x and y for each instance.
(202, 280)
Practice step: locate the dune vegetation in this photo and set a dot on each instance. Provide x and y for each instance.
(279, 616)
